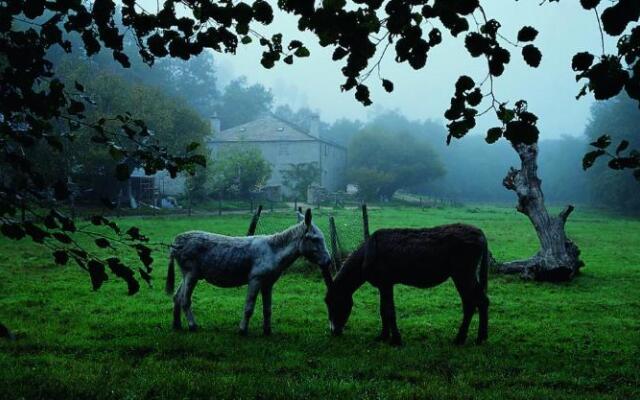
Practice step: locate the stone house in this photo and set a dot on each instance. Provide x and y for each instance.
(283, 144)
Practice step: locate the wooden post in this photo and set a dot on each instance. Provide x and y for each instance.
(295, 204)
(365, 221)
(220, 203)
(190, 200)
(336, 257)
(254, 221)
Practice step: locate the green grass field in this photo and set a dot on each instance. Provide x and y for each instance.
(546, 341)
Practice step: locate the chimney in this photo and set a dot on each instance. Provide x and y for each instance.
(215, 124)
(314, 126)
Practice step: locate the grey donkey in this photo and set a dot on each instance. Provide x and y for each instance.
(227, 261)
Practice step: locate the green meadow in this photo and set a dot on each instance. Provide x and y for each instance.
(546, 341)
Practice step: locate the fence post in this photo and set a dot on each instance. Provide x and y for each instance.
(295, 204)
(365, 221)
(335, 249)
(254, 221)
(220, 203)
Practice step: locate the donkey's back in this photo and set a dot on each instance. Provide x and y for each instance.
(224, 261)
(423, 257)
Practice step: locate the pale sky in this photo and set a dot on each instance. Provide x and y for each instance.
(565, 28)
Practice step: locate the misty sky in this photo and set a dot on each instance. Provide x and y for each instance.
(565, 28)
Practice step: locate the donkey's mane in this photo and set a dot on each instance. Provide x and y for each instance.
(288, 235)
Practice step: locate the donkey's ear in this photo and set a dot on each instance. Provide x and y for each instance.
(307, 218)
(300, 216)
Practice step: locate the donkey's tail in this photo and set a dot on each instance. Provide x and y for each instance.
(171, 274)
(484, 266)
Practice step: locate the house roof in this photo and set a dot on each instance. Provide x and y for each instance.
(268, 128)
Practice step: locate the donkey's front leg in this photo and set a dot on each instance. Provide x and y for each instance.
(389, 314)
(266, 309)
(384, 333)
(250, 303)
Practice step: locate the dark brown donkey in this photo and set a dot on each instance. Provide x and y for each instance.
(416, 257)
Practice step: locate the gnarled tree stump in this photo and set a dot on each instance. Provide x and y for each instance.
(558, 258)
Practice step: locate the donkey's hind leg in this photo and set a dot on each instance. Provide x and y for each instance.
(467, 290)
(266, 309)
(188, 285)
(483, 312)
(177, 304)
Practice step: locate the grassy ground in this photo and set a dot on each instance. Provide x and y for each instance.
(572, 341)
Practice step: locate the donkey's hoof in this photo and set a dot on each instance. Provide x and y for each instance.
(481, 340)
(395, 342)
(459, 341)
(266, 331)
(381, 338)
(193, 328)
(243, 332)
(177, 327)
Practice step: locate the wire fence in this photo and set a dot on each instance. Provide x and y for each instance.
(346, 235)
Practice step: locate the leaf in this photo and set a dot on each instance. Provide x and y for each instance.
(62, 237)
(97, 219)
(582, 61)
(532, 55)
(192, 146)
(339, 53)
(387, 85)
(97, 274)
(589, 4)
(61, 257)
(12, 231)
(622, 147)
(493, 135)
(288, 59)
(121, 58)
(79, 87)
(145, 275)
(527, 34)
(590, 158)
(294, 44)
(246, 39)
(125, 273)
(302, 52)
(602, 142)
(102, 243)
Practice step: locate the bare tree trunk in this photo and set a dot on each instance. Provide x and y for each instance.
(558, 258)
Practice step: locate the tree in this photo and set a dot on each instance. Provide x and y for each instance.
(236, 171)
(298, 177)
(343, 130)
(171, 120)
(241, 103)
(381, 162)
